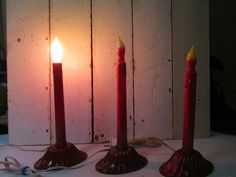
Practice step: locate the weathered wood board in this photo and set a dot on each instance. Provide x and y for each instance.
(28, 71)
(110, 19)
(191, 27)
(70, 21)
(153, 68)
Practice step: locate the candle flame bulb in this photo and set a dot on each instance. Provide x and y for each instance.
(56, 51)
(191, 54)
(120, 50)
(191, 60)
(120, 43)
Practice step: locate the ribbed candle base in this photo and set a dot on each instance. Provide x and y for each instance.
(121, 161)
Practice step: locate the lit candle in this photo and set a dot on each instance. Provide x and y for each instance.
(189, 100)
(61, 153)
(57, 52)
(121, 97)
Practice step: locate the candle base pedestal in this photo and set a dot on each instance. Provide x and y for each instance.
(121, 161)
(66, 157)
(186, 164)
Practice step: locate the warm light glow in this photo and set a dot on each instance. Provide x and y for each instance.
(56, 51)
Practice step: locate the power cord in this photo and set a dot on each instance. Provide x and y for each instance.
(151, 142)
(75, 166)
(10, 164)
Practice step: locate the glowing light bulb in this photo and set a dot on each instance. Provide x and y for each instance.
(56, 51)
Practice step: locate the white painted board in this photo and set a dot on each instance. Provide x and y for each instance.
(153, 68)
(70, 21)
(191, 27)
(28, 71)
(110, 19)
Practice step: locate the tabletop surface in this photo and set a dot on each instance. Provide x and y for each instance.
(220, 149)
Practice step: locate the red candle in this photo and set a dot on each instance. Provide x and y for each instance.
(189, 100)
(57, 52)
(121, 97)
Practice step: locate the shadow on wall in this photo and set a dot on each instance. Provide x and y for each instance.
(3, 69)
(3, 108)
(223, 117)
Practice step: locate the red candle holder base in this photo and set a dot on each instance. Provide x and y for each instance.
(186, 164)
(121, 161)
(66, 157)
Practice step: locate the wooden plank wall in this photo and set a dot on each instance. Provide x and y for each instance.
(148, 67)
(88, 30)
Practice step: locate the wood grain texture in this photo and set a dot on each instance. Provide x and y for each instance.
(110, 19)
(70, 21)
(153, 68)
(28, 71)
(190, 27)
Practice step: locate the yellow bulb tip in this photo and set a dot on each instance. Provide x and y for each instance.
(191, 54)
(120, 43)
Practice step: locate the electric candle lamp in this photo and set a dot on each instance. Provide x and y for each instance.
(187, 162)
(121, 97)
(121, 158)
(189, 100)
(61, 153)
(57, 52)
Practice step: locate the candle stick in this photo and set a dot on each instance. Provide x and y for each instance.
(57, 52)
(121, 97)
(121, 158)
(61, 153)
(189, 100)
(187, 162)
